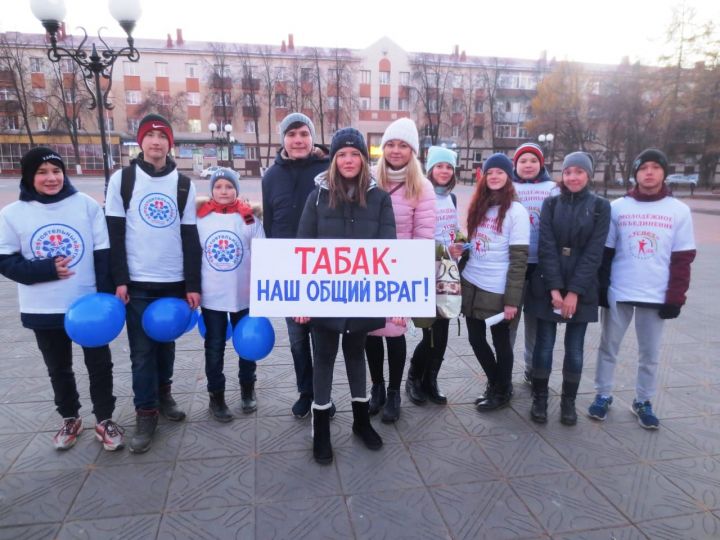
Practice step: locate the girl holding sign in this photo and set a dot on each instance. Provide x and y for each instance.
(421, 383)
(346, 203)
(493, 278)
(573, 228)
(413, 200)
(54, 243)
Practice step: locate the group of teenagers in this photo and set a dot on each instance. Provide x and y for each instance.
(551, 251)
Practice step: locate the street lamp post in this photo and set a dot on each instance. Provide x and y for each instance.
(95, 65)
(546, 142)
(227, 130)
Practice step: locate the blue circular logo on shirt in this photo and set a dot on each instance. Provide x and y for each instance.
(224, 251)
(158, 210)
(57, 240)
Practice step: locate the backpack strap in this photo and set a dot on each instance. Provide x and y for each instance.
(127, 184)
(454, 199)
(183, 191)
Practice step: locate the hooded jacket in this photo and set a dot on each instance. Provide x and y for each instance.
(573, 230)
(285, 188)
(349, 221)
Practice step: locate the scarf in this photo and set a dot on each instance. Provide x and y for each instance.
(236, 207)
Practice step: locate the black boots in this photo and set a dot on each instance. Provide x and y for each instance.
(218, 407)
(496, 396)
(248, 401)
(168, 406)
(430, 385)
(414, 385)
(538, 410)
(362, 427)
(377, 398)
(568, 416)
(391, 411)
(322, 448)
(146, 421)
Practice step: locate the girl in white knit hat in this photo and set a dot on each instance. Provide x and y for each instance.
(399, 173)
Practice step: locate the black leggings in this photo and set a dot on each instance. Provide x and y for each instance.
(498, 366)
(397, 350)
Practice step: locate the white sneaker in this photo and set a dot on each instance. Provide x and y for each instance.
(111, 435)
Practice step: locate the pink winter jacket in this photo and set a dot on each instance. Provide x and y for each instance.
(412, 220)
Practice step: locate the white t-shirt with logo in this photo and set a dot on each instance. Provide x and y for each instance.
(446, 220)
(644, 235)
(490, 249)
(152, 238)
(227, 242)
(532, 196)
(73, 227)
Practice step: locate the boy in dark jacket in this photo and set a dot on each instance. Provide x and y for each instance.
(285, 187)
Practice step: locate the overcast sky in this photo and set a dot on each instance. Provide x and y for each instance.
(601, 31)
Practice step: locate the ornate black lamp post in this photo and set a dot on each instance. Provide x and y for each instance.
(546, 142)
(95, 65)
(227, 130)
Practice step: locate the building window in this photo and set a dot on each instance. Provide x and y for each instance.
(194, 126)
(334, 102)
(109, 123)
(384, 103)
(36, 66)
(67, 65)
(432, 106)
(281, 73)
(403, 104)
(456, 131)
(220, 100)
(249, 126)
(333, 74)
(457, 105)
(6, 95)
(191, 71)
(163, 97)
(478, 133)
(305, 74)
(39, 94)
(130, 68)
(365, 76)
(132, 97)
(193, 98)
(42, 123)
(252, 152)
(384, 77)
(133, 124)
(404, 78)
(161, 69)
(457, 80)
(281, 101)
(479, 106)
(477, 155)
(364, 104)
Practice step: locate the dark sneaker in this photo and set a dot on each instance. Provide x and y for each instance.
(599, 408)
(146, 423)
(301, 408)
(645, 414)
(68, 434)
(110, 435)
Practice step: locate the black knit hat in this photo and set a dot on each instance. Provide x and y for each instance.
(31, 161)
(348, 137)
(651, 154)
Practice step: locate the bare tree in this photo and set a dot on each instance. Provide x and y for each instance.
(250, 85)
(270, 87)
(431, 82)
(171, 106)
(220, 82)
(341, 88)
(15, 76)
(316, 96)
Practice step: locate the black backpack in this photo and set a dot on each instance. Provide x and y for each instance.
(127, 185)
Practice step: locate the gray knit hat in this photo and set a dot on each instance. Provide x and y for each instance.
(226, 174)
(404, 130)
(582, 160)
(296, 118)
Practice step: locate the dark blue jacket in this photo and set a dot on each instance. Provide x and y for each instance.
(285, 188)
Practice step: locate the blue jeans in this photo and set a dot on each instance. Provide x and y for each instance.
(216, 328)
(301, 347)
(545, 342)
(152, 361)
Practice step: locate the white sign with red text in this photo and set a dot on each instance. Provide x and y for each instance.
(342, 278)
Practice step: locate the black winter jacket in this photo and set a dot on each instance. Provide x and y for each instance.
(353, 222)
(573, 231)
(285, 188)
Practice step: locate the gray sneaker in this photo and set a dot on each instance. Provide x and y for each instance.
(146, 423)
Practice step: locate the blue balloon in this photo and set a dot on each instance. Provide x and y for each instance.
(194, 315)
(95, 319)
(166, 319)
(253, 338)
(202, 328)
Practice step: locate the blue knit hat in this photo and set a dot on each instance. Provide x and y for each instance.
(499, 161)
(291, 121)
(348, 137)
(224, 173)
(440, 154)
(582, 160)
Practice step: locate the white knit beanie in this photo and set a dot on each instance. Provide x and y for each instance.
(404, 130)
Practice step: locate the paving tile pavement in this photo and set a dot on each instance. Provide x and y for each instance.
(444, 472)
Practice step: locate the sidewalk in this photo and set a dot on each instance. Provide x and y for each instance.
(444, 472)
